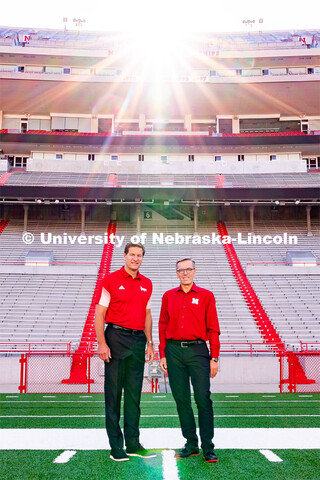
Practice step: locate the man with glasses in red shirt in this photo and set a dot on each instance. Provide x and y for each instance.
(188, 318)
(123, 303)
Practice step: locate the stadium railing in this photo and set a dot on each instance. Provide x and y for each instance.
(309, 346)
(80, 358)
(64, 348)
(290, 371)
(43, 366)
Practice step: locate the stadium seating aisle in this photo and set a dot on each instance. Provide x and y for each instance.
(78, 372)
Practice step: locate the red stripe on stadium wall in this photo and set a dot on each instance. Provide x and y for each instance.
(4, 178)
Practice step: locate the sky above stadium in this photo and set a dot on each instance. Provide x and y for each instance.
(163, 15)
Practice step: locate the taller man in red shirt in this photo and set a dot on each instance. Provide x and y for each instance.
(123, 303)
(188, 318)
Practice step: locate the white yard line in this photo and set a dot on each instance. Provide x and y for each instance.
(59, 401)
(164, 401)
(52, 416)
(169, 465)
(156, 416)
(162, 438)
(65, 456)
(272, 457)
(276, 415)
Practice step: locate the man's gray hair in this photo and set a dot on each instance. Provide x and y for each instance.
(183, 260)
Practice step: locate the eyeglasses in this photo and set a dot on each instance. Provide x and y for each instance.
(184, 270)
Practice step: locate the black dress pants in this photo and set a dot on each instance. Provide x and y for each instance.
(124, 371)
(185, 363)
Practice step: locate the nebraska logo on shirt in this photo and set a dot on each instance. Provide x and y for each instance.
(143, 289)
(195, 300)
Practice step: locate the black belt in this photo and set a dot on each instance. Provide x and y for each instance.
(186, 343)
(128, 330)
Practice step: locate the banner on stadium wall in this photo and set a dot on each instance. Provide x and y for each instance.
(210, 53)
(24, 37)
(307, 39)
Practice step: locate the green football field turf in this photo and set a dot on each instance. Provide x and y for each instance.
(79, 411)
(232, 465)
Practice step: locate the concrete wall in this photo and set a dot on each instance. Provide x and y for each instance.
(9, 374)
(11, 123)
(236, 374)
(204, 164)
(314, 124)
(248, 370)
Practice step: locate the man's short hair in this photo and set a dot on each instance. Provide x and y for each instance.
(183, 260)
(130, 244)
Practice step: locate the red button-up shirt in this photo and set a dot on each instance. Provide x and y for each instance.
(128, 298)
(189, 316)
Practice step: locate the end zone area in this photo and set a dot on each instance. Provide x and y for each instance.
(257, 436)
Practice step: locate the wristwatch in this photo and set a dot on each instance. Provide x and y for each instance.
(150, 341)
(215, 359)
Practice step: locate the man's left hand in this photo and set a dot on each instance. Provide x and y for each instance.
(213, 368)
(150, 353)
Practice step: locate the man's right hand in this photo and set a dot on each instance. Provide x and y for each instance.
(163, 364)
(104, 352)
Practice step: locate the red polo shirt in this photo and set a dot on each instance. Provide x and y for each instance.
(189, 316)
(128, 298)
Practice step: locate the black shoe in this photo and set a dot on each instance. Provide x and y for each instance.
(140, 452)
(118, 455)
(187, 451)
(210, 457)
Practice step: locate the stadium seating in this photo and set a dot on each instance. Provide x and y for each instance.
(60, 304)
(39, 307)
(291, 301)
(213, 272)
(157, 180)
(70, 37)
